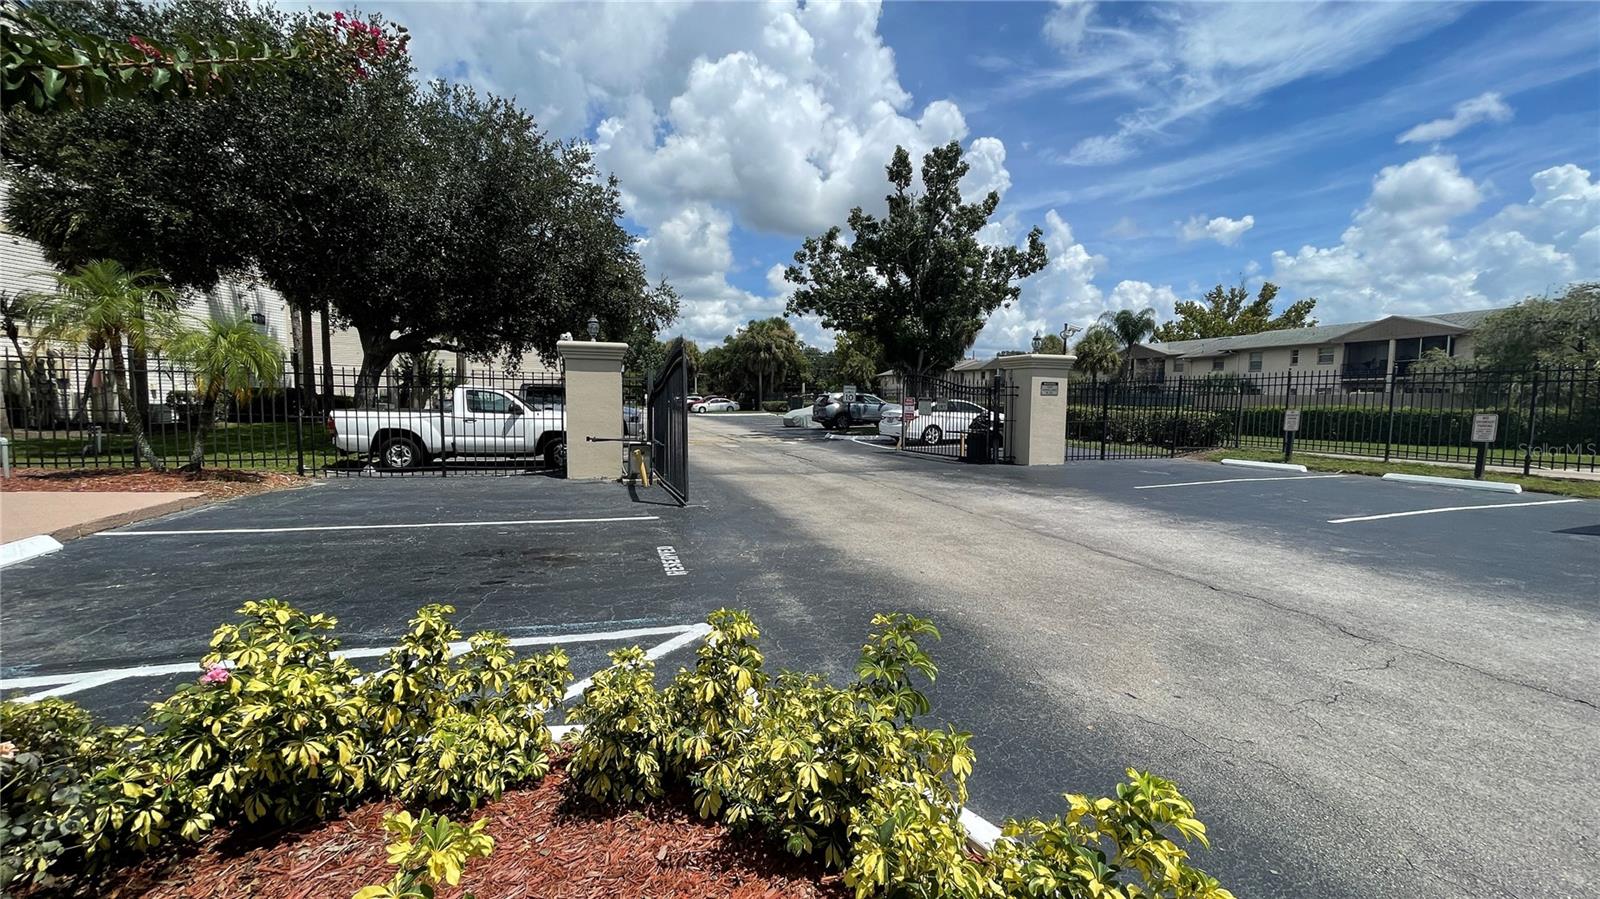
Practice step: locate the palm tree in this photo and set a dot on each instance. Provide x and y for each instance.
(227, 356)
(1130, 329)
(1098, 352)
(105, 307)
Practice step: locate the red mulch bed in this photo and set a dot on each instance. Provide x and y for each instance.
(217, 483)
(546, 844)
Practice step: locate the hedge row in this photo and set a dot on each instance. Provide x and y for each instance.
(279, 729)
(1189, 429)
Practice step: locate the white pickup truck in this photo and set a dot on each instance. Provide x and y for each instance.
(477, 422)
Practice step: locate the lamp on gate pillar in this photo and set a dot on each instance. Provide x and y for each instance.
(1038, 341)
(594, 328)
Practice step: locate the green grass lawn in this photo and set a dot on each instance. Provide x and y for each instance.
(1565, 486)
(261, 446)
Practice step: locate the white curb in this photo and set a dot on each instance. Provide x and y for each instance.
(1275, 466)
(1492, 486)
(981, 833)
(27, 548)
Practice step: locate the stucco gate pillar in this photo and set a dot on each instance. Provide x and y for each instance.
(1039, 411)
(594, 407)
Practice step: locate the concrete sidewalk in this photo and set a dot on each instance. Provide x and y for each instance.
(65, 514)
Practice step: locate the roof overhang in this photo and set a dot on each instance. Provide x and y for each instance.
(1401, 327)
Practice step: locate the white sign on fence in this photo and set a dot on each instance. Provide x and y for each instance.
(1291, 420)
(1485, 427)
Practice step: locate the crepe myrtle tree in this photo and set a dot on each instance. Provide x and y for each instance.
(918, 281)
(51, 64)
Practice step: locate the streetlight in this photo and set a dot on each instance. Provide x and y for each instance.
(1038, 341)
(594, 328)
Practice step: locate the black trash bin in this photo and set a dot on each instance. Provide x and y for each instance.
(978, 451)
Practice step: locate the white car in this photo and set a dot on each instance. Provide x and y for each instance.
(946, 420)
(715, 404)
(800, 418)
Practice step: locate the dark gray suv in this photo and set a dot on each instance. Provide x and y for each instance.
(831, 411)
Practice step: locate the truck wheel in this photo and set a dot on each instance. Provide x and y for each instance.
(555, 454)
(399, 452)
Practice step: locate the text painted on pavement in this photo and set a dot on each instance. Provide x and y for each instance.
(670, 562)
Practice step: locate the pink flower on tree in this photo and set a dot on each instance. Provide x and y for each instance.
(216, 674)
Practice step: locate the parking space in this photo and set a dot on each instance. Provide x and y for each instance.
(117, 619)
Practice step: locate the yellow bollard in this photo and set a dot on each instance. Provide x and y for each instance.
(642, 466)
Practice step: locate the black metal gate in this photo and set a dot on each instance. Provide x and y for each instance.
(1137, 419)
(955, 420)
(667, 401)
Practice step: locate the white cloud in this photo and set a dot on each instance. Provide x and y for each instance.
(1486, 107)
(1063, 292)
(715, 118)
(1138, 295)
(1221, 229)
(1402, 252)
(1125, 228)
(1183, 62)
(1068, 22)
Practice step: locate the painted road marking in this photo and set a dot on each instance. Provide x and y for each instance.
(376, 527)
(1307, 477)
(670, 563)
(76, 682)
(1547, 502)
(695, 632)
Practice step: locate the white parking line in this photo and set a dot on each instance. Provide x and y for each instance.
(376, 527)
(1546, 502)
(1307, 477)
(76, 682)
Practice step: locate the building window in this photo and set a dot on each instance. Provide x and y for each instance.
(1324, 355)
(1294, 357)
(1177, 366)
(1216, 364)
(1255, 361)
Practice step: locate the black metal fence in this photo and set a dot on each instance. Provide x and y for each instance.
(1119, 419)
(1547, 418)
(65, 411)
(953, 420)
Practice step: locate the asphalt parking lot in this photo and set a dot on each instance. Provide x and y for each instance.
(1343, 687)
(119, 616)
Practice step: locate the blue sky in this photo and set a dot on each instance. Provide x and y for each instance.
(1404, 157)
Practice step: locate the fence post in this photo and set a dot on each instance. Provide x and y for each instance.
(1238, 419)
(1177, 416)
(1105, 417)
(1533, 417)
(1289, 399)
(300, 439)
(444, 437)
(1388, 431)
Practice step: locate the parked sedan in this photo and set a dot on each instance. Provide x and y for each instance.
(945, 420)
(715, 404)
